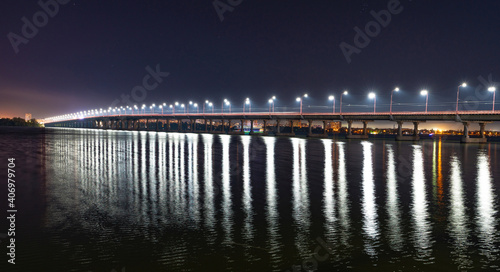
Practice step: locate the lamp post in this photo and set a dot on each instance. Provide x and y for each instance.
(247, 102)
(273, 98)
(299, 99)
(331, 97)
(196, 106)
(374, 97)
(493, 89)
(426, 93)
(210, 104)
(392, 92)
(458, 91)
(161, 107)
(175, 106)
(344, 93)
(184, 107)
(190, 103)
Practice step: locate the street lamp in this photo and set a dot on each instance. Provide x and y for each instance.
(206, 102)
(190, 103)
(271, 101)
(229, 105)
(172, 107)
(374, 97)
(344, 93)
(299, 99)
(458, 91)
(184, 107)
(211, 105)
(426, 93)
(390, 107)
(493, 89)
(161, 107)
(247, 101)
(196, 106)
(331, 97)
(222, 105)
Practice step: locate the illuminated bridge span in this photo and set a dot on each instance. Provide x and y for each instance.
(279, 123)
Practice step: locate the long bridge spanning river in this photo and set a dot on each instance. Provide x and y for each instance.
(275, 122)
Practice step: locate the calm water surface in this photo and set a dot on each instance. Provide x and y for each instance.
(92, 200)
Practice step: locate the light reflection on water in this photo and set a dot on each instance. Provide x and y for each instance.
(188, 202)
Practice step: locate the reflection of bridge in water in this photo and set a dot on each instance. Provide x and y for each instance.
(282, 123)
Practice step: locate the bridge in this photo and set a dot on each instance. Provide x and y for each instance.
(272, 122)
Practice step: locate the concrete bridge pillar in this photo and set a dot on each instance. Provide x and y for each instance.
(242, 130)
(228, 125)
(277, 126)
(324, 128)
(251, 127)
(265, 127)
(310, 128)
(400, 128)
(349, 127)
(466, 129)
(481, 129)
(365, 124)
(193, 124)
(415, 129)
(206, 125)
(291, 126)
(211, 127)
(157, 124)
(179, 125)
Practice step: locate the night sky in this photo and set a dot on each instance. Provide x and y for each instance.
(90, 53)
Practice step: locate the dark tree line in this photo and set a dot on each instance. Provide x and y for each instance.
(19, 122)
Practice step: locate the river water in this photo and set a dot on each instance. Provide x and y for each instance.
(94, 200)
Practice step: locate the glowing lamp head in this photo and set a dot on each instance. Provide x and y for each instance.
(210, 104)
(190, 102)
(298, 99)
(345, 93)
(182, 105)
(331, 97)
(371, 95)
(176, 103)
(206, 101)
(492, 89)
(195, 105)
(424, 92)
(464, 84)
(274, 97)
(270, 101)
(397, 89)
(305, 95)
(247, 102)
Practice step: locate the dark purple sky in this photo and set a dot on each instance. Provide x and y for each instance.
(91, 52)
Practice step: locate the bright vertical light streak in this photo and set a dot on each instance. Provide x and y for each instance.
(369, 207)
(272, 214)
(421, 226)
(343, 197)
(392, 204)
(227, 213)
(458, 218)
(329, 192)
(486, 219)
(247, 191)
(209, 198)
(300, 197)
